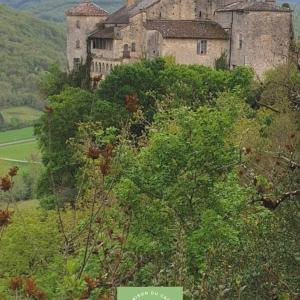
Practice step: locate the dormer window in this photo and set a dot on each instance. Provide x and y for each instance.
(78, 24)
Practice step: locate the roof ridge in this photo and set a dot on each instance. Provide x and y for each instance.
(86, 8)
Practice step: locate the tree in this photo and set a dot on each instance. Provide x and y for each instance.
(59, 124)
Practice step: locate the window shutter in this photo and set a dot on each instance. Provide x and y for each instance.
(199, 47)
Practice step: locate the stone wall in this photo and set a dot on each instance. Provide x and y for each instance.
(87, 25)
(108, 59)
(154, 44)
(260, 39)
(185, 51)
(172, 10)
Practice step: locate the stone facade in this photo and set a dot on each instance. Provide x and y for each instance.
(251, 33)
(181, 50)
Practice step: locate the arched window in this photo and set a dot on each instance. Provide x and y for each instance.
(103, 68)
(100, 68)
(93, 67)
(200, 14)
(77, 44)
(126, 53)
(133, 47)
(107, 68)
(78, 24)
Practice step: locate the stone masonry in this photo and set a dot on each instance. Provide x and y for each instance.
(256, 34)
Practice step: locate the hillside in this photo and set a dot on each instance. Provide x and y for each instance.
(27, 46)
(54, 9)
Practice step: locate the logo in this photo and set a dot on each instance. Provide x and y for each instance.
(150, 293)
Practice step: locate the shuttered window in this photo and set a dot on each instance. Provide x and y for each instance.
(202, 47)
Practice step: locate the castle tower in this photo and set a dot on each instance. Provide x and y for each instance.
(82, 19)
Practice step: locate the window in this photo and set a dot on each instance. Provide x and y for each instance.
(200, 14)
(202, 47)
(105, 44)
(133, 47)
(97, 67)
(78, 24)
(240, 42)
(126, 53)
(93, 67)
(76, 63)
(77, 44)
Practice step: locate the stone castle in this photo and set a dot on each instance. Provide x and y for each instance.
(257, 34)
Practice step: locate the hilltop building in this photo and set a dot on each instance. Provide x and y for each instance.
(258, 34)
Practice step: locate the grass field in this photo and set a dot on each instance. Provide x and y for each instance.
(23, 151)
(23, 114)
(16, 135)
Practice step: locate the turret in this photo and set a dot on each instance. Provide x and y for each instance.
(82, 19)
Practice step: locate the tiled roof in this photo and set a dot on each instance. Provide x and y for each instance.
(87, 8)
(255, 6)
(187, 29)
(122, 15)
(108, 33)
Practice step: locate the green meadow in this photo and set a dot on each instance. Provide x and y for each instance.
(20, 115)
(19, 145)
(24, 151)
(16, 135)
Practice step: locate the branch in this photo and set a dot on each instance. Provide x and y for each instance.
(269, 107)
(286, 159)
(273, 204)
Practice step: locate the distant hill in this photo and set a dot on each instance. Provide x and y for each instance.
(27, 46)
(54, 9)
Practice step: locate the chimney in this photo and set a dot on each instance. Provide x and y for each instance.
(130, 2)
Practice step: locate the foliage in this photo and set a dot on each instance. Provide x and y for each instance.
(30, 247)
(221, 63)
(140, 79)
(143, 86)
(160, 81)
(64, 114)
(27, 47)
(205, 197)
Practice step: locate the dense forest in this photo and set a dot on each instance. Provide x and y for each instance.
(165, 175)
(55, 9)
(27, 47)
